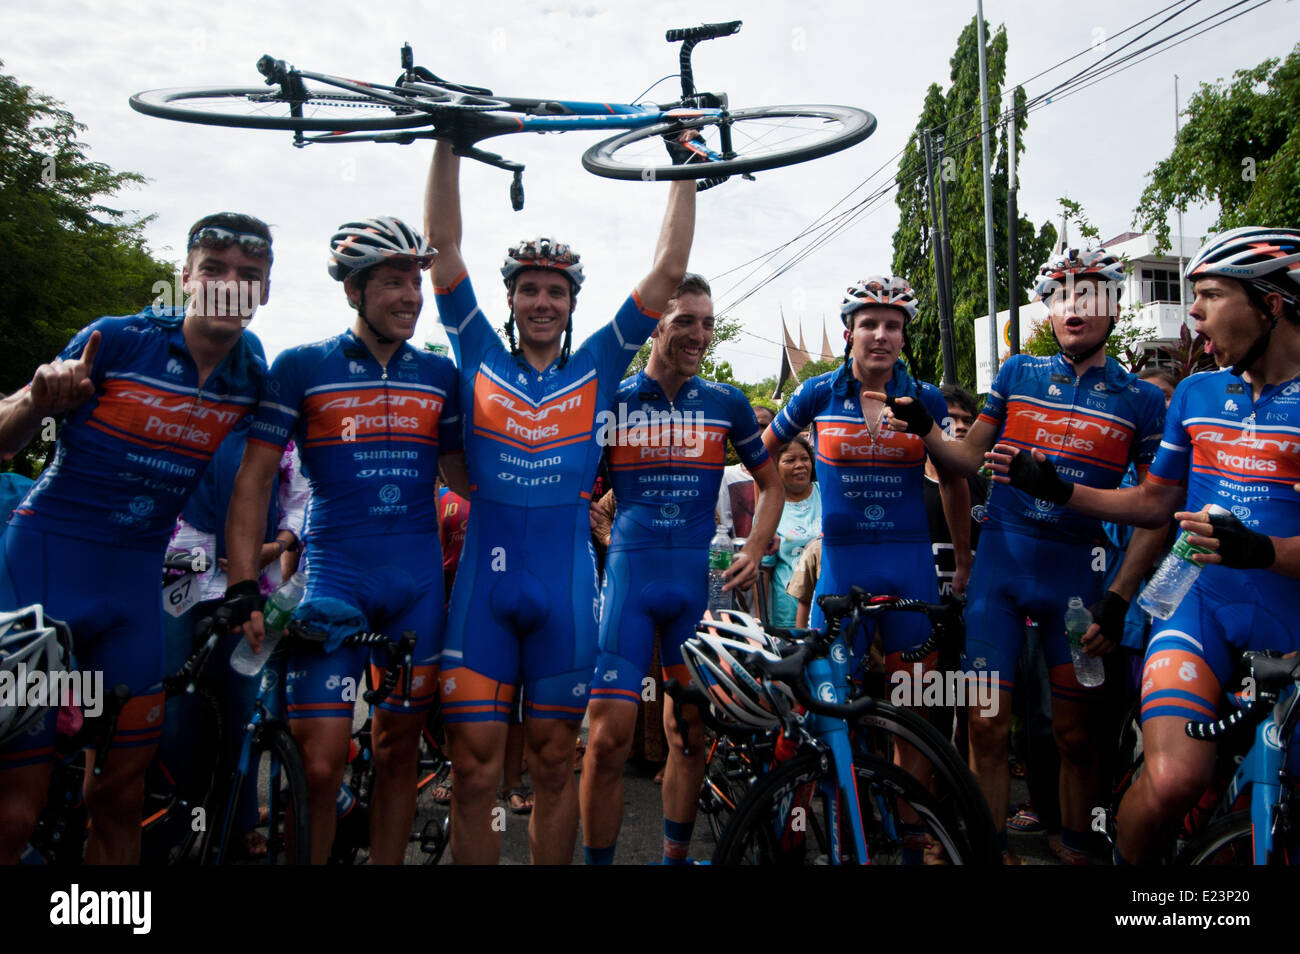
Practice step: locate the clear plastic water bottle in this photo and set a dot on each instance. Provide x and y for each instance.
(1089, 670)
(1175, 576)
(719, 560)
(279, 607)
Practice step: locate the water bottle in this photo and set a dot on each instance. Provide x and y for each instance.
(276, 615)
(1089, 670)
(719, 560)
(1175, 576)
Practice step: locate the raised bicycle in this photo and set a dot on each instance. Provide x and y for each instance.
(321, 108)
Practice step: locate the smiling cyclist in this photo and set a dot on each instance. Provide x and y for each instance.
(524, 607)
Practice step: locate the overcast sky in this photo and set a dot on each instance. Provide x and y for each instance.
(1096, 146)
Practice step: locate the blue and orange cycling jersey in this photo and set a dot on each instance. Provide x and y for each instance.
(127, 458)
(666, 459)
(530, 434)
(369, 435)
(872, 487)
(1092, 427)
(1244, 455)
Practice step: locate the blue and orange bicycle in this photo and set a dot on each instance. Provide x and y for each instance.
(320, 108)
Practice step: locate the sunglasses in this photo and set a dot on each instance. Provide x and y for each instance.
(215, 236)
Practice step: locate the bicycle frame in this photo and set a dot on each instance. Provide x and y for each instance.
(1262, 770)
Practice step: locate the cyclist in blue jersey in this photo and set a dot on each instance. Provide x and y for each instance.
(524, 607)
(874, 526)
(145, 400)
(667, 438)
(1232, 438)
(875, 531)
(1034, 555)
(372, 417)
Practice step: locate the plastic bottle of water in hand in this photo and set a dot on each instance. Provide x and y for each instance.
(1175, 576)
(719, 560)
(279, 607)
(1089, 670)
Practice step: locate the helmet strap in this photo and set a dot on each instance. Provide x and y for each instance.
(1256, 350)
(1077, 356)
(361, 310)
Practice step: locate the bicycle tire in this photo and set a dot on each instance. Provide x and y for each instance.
(288, 847)
(727, 777)
(952, 783)
(259, 108)
(639, 153)
(1227, 841)
(766, 830)
(168, 836)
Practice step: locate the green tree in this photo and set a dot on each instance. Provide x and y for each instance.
(955, 114)
(69, 258)
(1239, 149)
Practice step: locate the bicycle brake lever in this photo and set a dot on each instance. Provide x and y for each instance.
(517, 191)
(121, 693)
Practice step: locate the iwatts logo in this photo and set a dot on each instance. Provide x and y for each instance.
(174, 366)
(356, 367)
(1230, 405)
(1053, 391)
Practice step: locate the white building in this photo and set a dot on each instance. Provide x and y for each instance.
(1150, 285)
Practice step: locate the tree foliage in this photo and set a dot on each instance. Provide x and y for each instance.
(69, 257)
(955, 114)
(1239, 149)
(725, 328)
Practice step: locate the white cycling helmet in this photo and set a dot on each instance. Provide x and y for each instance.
(1077, 262)
(1266, 257)
(545, 253)
(879, 290)
(360, 245)
(718, 665)
(28, 638)
(733, 624)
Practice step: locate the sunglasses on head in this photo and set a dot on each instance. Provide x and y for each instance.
(216, 236)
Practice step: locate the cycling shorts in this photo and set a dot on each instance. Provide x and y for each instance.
(898, 569)
(108, 595)
(662, 591)
(1192, 655)
(524, 611)
(1018, 575)
(395, 581)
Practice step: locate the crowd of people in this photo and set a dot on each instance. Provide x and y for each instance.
(460, 500)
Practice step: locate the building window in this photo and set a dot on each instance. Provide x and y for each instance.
(1160, 284)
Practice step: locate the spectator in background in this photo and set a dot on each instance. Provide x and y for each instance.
(961, 415)
(801, 522)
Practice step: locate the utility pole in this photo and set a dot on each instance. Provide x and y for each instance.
(1013, 229)
(940, 278)
(1182, 285)
(943, 232)
(988, 192)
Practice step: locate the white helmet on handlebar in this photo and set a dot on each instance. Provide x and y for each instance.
(28, 638)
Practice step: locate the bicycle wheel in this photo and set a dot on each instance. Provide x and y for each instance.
(324, 110)
(276, 770)
(731, 769)
(1228, 841)
(950, 782)
(172, 803)
(762, 138)
(787, 817)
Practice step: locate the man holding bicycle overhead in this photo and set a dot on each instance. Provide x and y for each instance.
(524, 607)
(667, 439)
(1232, 437)
(372, 417)
(145, 400)
(1095, 418)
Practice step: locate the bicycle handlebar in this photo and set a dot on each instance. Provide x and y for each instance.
(1270, 673)
(705, 31)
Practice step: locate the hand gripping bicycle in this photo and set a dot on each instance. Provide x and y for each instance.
(321, 108)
